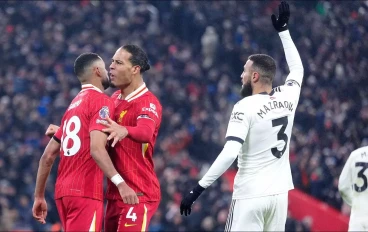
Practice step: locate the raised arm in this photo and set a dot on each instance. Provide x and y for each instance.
(280, 23)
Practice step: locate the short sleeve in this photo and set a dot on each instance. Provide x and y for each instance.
(149, 108)
(101, 108)
(59, 133)
(239, 122)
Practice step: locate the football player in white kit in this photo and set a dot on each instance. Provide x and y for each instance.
(258, 134)
(353, 186)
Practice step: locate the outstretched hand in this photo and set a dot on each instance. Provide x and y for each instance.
(281, 22)
(116, 132)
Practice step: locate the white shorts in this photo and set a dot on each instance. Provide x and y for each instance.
(267, 213)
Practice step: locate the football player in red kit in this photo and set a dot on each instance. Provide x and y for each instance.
(83, 156)
(138, 117)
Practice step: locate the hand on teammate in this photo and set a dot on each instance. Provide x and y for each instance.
(127, 194)
(39, 210)
(280, 23)
(116, 131)
(189, 199)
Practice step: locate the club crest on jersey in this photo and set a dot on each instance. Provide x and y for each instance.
(121, 115)
(104, 112)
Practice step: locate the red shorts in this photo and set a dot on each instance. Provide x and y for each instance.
(80, 213)
(123, 217)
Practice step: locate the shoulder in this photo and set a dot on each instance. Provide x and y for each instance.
(289, 85)
(242, 109)
(98, 98)
(149, 98)
(359, 152)
(249, 101)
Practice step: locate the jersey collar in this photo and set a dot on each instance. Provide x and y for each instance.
(265, 93)
(90, 86)
(136, 93)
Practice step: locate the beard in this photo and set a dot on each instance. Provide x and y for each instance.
(246, 90)
(106, 83)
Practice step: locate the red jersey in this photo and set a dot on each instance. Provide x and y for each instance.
(78, 173)
(133, 160)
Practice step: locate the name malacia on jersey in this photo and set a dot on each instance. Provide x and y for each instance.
(275, 105)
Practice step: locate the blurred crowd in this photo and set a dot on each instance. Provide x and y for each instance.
(197, 51)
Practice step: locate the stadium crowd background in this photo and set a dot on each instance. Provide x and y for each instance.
(197, 51)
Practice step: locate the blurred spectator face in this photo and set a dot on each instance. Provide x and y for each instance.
(247, 88)
(208, 224)
(121, 69)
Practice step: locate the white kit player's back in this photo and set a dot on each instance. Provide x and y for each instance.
(353, 186)
(263, 163)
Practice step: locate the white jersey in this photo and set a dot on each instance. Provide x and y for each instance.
(264, 123)
(260, 128)
(353, 186)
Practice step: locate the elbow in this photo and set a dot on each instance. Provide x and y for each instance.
(95, 152)
(146, 137)
(48, 159)
(142, 139)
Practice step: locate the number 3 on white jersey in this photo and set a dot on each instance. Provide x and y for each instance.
(71, 134)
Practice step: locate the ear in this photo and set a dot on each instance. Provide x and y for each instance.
(97, 71)
(136, 69)
(255, 77)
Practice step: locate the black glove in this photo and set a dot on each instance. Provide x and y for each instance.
(189, 199)
(281, 23)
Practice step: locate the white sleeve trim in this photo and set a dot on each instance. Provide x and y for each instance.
(222, 163)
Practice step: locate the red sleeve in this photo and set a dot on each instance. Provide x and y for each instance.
(149, 109)
(143, 132)
(101, 107)
(148, 119)
(58, 134)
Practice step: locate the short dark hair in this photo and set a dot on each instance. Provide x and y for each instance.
(265, 65)
(83, 61)
(139, 57)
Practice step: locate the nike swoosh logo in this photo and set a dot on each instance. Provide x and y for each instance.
(129, 225)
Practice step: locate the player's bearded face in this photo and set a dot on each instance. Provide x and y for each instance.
(106, 82)
(247, 89)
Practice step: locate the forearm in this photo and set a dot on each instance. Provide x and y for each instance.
(221, 164)
(44, 169)
(104, 162)
(292, 57)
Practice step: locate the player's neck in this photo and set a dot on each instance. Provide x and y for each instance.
(262, 89)
(134, 85)
(97, 84)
